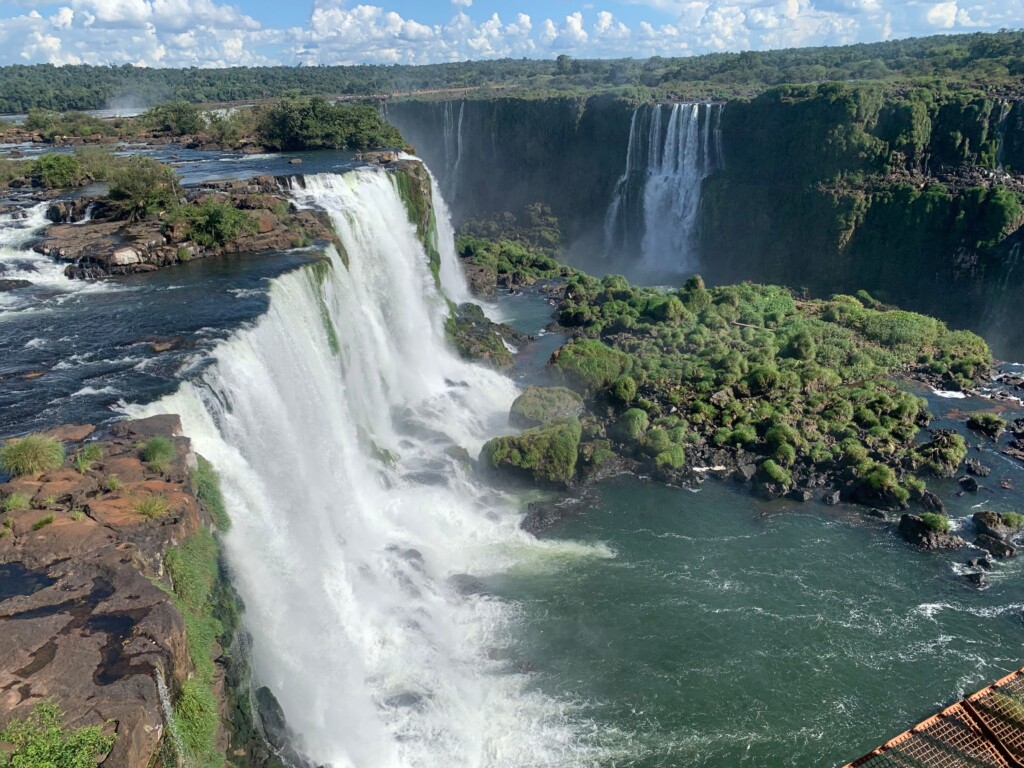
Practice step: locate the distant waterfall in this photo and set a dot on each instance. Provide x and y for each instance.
(1004, 113)
(336, 422)
(452, 129)
(672, 149)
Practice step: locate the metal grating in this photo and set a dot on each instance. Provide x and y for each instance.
(986, 730)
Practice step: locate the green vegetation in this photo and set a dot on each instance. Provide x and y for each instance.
(970, 59)
(158, 452)
(538, 406)
(207, 488)
(178, 118)
(31, 455)
(987, 423)
(546, 454)
(141, 186)
(942, 455)
(511, 263)
(198, 593)
(1013, 519)
(53, 170)
(42, 522)
(314, 123)
(213, 222)
(16, 502)
(87, 457)
(43, 741)
(112, 484)
(936, 522)
(152, 506)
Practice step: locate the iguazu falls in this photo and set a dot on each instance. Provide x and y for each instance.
(436, 408)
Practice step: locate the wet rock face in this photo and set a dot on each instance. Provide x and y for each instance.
(917, 532)
(82, 620)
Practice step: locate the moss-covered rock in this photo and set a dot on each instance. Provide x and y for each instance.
(538, 406)
(546, 455)
(476, 337)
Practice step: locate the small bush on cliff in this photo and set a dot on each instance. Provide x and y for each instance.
(936, 522)
(42, 741)
(31, 455)
(214, 222)
(152, 506)
(88, 456)
(158, 452)
(17, 502)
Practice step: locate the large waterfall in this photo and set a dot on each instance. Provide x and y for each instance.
(335, 422)
(672, 149)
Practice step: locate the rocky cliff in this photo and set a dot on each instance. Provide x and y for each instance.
(113, 602)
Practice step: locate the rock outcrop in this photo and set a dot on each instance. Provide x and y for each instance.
(916, 531)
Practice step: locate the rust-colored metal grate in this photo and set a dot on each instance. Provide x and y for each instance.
(985, 730)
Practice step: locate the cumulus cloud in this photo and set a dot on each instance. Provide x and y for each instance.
(216, 33)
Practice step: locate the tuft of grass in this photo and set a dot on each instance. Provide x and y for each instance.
(17, 502)
(207, 487)
(152, 506)
(42, 522)
(1013, 519)
(87, 457)
(112, 484)
(158, 452)
(77, 514)
(936, 522)
(31, 455)
(196, 717)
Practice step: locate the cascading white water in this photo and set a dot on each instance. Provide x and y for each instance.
(657, 198)
(330, 421)
(452, 134)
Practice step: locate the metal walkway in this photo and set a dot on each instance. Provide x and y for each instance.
(985, 730)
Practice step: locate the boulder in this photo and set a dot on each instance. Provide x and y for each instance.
(544, 455)
(831, 498)
(996, 547)
(985, 563)
(932, 503)
(976, 468)
(538, 406)
(800, 494)
(976, 580)
(744, 473)
(969, 484)
(124, 257)
(916, 531)
(994, 525)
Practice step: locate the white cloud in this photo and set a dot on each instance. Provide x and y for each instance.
(216, 33)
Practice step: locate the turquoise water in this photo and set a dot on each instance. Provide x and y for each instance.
(731, 632)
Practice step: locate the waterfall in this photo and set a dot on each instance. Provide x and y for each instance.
(653, 213)
(1004, 113)
(452, 133)
(334, 422)
(165, 704)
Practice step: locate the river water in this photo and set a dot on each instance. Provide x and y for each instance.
(661, 627)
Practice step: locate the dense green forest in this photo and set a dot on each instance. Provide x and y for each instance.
(994, 60)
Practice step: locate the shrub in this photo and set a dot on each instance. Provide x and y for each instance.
(141, 186)
(773, 473)
(42, 522)
(214, 222)
(623, 389)
(31, 455)
(936, 522)
(52, 170)
(88, 456)
(17, 502)
(673, 458)
(42, 741)
(632, 424)
(313, 123)
(158, 452)
(1013, 519)
(152, 506)
(177, 118)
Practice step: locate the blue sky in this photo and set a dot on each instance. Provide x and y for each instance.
(252, 32)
